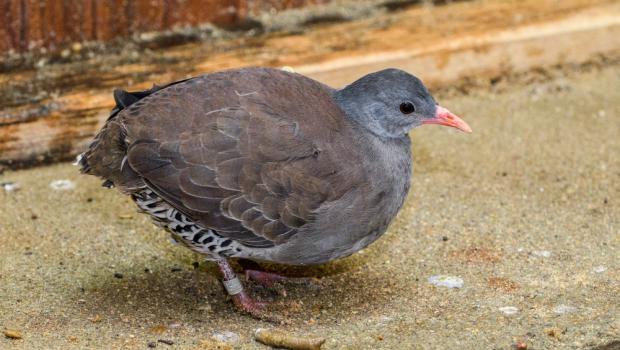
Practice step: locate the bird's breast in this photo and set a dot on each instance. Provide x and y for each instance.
(352, 222)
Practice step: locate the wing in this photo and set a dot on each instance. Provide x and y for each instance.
(247, 170)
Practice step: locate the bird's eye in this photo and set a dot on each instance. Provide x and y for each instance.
(407, 107)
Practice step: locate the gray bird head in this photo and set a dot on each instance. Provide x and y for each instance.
(391, 102)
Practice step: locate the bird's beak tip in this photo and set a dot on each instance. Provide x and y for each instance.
(447, 118)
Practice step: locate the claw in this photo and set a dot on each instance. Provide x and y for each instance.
(244, 303)
(256, 309)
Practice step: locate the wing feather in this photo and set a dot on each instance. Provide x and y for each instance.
(252, 170)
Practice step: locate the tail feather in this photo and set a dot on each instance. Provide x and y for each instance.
(107, 153)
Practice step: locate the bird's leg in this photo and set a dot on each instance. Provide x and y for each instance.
(234, 288)
(267, 279)
(254, 272)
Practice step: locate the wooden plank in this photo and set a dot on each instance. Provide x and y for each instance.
(571, 41)
(34, 24)
(54, 116)
(10, 24)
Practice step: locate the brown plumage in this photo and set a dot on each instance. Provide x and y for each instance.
(215, 151)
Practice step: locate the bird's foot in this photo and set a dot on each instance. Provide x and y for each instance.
(242, 301)
(264, 278)
(275, 281)
(256, 309)
(254, 272)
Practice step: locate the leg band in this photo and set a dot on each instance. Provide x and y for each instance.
(233, 286)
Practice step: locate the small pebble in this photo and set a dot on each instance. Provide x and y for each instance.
(521, 345)
(10, 186)
(159, 329)
(508, 310)
(446, 281)
(564, 309)
(118, 275)
(62, 185)
(95, 319)
(553, 332)
(542, 253)
(151, 344)
(226, 337)
(599, 269)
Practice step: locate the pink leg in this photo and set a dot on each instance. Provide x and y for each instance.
(267, 279)
(234, 288)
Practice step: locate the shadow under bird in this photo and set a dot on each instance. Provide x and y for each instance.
(267, 165)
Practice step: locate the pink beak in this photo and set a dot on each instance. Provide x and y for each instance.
(445, 117)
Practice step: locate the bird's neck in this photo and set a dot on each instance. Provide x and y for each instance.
(389, 162)
(369, 116)
(388, 170)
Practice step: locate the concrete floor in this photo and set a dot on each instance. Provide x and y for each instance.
(525, 211)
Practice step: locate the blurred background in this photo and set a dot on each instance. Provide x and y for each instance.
(521, 217)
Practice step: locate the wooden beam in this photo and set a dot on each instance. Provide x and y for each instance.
(51, 114)
(49, 24)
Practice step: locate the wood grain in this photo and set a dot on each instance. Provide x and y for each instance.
(34, 24)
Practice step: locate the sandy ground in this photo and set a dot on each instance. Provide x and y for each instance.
(525, 211)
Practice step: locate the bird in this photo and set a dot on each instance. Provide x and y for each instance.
(265, 164)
